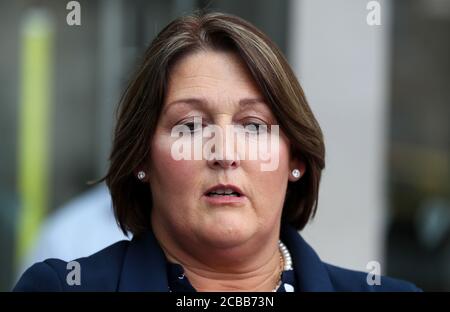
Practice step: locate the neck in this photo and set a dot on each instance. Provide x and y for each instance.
(264, 277)
(251, 266)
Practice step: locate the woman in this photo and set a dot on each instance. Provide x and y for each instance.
(221, 221)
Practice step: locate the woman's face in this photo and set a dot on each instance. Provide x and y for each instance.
(216, 87)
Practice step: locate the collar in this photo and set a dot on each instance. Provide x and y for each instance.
(144, 267)
(310, 271)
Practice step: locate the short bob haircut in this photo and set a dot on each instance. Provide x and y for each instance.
(140, 107)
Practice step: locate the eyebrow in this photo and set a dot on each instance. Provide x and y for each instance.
(200, 102)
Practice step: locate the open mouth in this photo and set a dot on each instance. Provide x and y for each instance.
(219, 193)
(224, 190)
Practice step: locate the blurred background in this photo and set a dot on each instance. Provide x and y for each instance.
(378, 84)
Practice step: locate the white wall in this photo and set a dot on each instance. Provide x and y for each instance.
(342, 64)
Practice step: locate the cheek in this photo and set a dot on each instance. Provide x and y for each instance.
(284, 157)
(277, 166)
(169, 176)
(270, 186)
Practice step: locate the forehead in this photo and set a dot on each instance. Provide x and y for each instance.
(211, 75)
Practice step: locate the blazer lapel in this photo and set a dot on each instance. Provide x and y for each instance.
(144, 267)
(310, 271)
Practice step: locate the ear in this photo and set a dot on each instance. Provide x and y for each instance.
(296, 163)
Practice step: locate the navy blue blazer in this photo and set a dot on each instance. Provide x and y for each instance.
(140, 265)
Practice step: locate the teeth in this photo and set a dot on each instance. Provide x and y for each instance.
(221, 192)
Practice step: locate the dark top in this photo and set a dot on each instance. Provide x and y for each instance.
(140, 265)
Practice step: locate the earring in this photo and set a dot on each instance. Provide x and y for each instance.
(296, 173)
(141, 175)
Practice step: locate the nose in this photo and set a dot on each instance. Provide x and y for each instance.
(224, 163)
(225, 156)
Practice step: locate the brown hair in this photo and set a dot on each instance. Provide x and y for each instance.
(142, 101)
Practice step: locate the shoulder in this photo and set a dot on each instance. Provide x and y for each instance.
(100, 271)
(315, 275)
(350, 280)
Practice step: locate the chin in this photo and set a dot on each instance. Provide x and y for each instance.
(229, 232)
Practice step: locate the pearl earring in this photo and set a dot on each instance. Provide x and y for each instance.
(141, 175)
(296, 173)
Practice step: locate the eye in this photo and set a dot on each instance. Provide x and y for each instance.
(194, 125)
(255, 127)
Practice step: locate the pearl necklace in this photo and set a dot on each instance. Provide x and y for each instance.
(285, 262)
